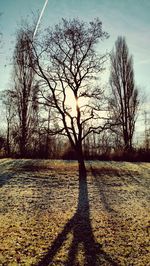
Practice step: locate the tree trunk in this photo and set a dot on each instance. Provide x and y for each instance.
(81, 163)
(23, 142)
(8, 139)
(126, 140)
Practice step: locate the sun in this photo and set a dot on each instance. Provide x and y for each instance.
(72, 103)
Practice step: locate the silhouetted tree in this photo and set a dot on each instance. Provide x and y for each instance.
(147, 130)
(9, 114)
(68, 62)
(2, 145)
(124, 102)
(24, 93)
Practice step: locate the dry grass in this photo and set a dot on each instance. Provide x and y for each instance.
(39, 197)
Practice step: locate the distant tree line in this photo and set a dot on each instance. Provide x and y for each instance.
(57, 107)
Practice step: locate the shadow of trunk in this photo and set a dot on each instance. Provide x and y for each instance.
(98, 180)
(80, 227)
(5, 177)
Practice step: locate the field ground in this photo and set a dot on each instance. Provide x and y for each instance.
(40, 221)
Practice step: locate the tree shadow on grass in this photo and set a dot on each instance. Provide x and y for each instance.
(5, 177)
(80, 227)
(15, 166)
(99, 182)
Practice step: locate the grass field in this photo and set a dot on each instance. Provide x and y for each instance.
(46, 218)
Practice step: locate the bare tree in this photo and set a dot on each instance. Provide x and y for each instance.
(124, 101)
(24, 93)
(69, 64)
(147, 130)
(10, 113)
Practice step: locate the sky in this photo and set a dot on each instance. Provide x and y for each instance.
(129, 18)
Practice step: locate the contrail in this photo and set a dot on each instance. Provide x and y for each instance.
(38, 22)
